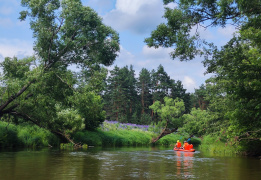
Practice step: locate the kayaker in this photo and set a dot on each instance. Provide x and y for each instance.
(186, 145)
(191, 146)
(178, 144)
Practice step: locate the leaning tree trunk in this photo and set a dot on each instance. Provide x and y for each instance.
(66, 138)
(164, 132)
(61, 135)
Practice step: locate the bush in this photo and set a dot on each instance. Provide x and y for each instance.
(26, 135)
(213, 145)
(8, 135)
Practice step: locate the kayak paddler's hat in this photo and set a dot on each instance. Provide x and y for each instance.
(177, 140)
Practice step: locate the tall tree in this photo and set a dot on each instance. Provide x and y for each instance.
(144, 86)
(189, 14)
(177, 91)
(160, 85)
(236, 65)
(200, 98)
(121, 93)
(169, 112)
(66, 33)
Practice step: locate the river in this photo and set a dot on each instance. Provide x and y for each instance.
(124, 163)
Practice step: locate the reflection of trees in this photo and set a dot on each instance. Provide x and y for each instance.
(49, 165)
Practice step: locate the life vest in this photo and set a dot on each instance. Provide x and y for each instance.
(178, 144)
(191, 146)
(186, 146)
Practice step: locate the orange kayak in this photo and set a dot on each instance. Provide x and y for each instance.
(178, 149)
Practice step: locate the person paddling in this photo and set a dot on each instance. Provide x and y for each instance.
(178, 144)
(186, 145)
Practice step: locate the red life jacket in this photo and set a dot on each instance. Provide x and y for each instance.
(186, 146)
(178, 144)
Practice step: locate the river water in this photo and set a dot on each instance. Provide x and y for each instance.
(124, 163)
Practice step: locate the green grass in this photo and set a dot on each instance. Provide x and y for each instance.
(113, 138)
(125, 137)
(26, 135)
(213, 145)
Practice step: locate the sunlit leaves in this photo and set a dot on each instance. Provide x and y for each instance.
(169, 111)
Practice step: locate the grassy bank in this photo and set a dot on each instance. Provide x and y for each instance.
(126, 137)
(26, 135)
(109, 135)
(214, 145)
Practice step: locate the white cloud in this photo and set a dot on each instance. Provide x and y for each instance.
(227, 31)
(15, 47)
(159, 53)
(189, 84)
(135, 15)
(172, 5)
(133, 6)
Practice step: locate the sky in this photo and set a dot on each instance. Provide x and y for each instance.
(133, 20)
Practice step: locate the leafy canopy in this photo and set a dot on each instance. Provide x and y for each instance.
(41, 89)
(169, 111)
(192, 14)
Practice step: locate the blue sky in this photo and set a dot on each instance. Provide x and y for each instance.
(133, 20)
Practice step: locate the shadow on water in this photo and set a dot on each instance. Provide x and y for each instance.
(124, 163)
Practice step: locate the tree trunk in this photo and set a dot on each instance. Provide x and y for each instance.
(164, 132)
(142, 98)
(12, 98)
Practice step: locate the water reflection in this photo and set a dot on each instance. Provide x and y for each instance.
(124, 163)
(184, 164)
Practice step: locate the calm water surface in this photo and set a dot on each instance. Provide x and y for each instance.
(124, 163)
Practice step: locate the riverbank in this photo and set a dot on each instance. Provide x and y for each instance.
(26, 135)
(108, 135)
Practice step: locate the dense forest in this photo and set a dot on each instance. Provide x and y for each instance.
(127, 98)
(45, 91)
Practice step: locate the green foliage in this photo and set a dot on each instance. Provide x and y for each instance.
(169, 112)
(90, 108)
(232, 96)
(33, 136)
(176, 32)
(144, 85)
(64, 33)
(42, 90)
(213, 145)
(113, 138)
(26, 135)
(120, 96)
(8, 135)
(127, 99)
(145, 119)
(198, 122)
